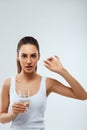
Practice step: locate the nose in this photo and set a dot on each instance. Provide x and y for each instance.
(28, 60)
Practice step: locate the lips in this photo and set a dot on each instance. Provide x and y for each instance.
(29, 67)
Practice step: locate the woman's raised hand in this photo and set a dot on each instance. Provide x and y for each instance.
(53, 63)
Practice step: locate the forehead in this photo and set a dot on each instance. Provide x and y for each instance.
(28, 49)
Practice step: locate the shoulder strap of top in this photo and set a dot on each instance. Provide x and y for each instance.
(12, 86)
(43, 85)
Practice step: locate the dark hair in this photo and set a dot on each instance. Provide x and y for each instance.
(26, 40)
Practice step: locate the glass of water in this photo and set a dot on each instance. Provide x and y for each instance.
(24, 95)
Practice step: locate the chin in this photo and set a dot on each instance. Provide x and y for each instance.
(29, 71)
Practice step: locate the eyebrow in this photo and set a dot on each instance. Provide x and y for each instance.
(27, 54)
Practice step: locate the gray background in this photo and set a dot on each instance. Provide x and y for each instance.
(60, 28)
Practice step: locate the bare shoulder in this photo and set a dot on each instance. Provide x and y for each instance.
(4, 95)
(49, 84)
(6, 84)
(50, 81)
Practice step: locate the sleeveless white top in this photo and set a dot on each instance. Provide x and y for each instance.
(33, 118)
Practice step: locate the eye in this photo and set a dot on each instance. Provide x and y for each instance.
(23, 55)
(34, 55)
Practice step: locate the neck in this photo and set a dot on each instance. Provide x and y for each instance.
(27, 76)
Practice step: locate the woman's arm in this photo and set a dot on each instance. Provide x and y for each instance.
(4, 103)
(75, 90)
(17, 108)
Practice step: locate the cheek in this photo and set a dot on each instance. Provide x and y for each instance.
(21, 62)
(35, 61)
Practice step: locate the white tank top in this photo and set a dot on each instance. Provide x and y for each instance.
(33, 119)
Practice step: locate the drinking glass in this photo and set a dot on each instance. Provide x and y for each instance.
(24, 95)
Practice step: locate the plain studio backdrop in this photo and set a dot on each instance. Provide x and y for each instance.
(60, 26)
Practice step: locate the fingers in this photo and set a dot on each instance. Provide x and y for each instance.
(53, 63)
(47, 63)
(53, 57)
(57, 57)
(50, 59)
(18, 107)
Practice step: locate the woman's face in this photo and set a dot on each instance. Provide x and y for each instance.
(28, 57)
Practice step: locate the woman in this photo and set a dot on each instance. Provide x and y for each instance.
(12, 109)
